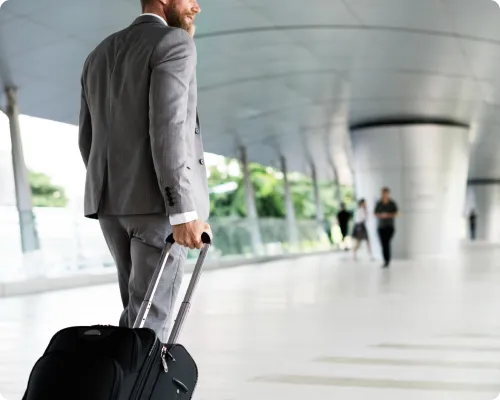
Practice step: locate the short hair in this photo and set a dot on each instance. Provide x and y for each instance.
(386, 189)
(361, 201)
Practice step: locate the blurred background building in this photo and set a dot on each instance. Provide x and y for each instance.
(341, 102)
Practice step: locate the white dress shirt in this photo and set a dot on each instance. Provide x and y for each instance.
(361, 215)
(177, 219)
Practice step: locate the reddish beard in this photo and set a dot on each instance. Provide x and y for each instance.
(178, 19)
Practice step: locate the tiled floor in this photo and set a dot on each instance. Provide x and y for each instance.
(315, 328)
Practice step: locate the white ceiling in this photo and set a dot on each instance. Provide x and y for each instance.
(272, 73)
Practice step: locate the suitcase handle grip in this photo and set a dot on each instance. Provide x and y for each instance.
(205, 238)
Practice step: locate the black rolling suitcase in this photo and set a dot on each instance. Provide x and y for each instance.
(113, 363)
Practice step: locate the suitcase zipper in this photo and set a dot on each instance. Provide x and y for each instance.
(163, 359)
(142, 379)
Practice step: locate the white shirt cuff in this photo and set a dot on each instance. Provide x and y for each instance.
(177, 219)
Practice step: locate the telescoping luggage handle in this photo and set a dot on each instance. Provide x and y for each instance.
(181, 316)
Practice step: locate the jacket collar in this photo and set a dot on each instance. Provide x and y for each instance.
(149, 18)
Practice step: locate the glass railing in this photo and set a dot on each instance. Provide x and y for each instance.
(233, 237)
(71, 243)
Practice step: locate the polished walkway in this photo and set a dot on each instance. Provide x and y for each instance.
(315, 328)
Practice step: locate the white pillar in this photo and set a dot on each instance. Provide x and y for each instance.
(290, 211)
(486, 193)
(29, 235)
(252, 215)
(336, 182)
(320, 217)
(425, 166)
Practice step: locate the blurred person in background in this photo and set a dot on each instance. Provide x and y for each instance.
(359, 232)
(386, 211)
(343, 218)
(472, 224)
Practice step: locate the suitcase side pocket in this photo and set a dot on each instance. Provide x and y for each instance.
(59, 375)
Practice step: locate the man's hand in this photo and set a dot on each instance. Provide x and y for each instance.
(189, 234)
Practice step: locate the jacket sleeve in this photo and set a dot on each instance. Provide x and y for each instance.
(173, 65)
(85, 129)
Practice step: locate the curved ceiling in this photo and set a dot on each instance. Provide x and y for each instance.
(287, 76)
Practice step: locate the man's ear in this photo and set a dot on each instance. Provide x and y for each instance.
(164, 2)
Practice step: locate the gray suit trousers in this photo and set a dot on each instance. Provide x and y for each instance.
(136, 243)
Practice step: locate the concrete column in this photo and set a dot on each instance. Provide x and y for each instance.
(252, 215)
(320, 217)
(425, 166)
(29, 235)
(486, 199)
(290, 211)
(336, 182)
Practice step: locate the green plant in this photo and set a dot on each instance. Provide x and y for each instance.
(44, 192)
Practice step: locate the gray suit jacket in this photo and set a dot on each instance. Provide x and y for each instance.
(139, 134)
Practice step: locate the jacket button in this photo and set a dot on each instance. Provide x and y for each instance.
(201, 161)
(197, 130)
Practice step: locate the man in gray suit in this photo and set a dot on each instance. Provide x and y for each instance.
(141, 144)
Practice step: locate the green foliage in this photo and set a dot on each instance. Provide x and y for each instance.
(44, 192)
(224, 204)
(268, 190)
(269, 194)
